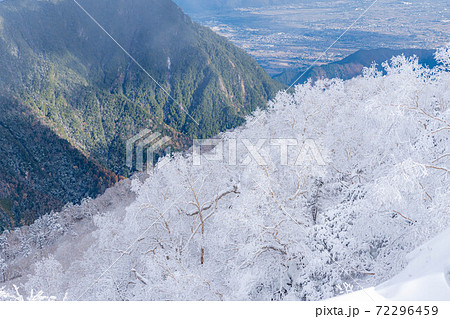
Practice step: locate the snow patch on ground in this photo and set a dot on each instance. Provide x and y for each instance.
(426, 278)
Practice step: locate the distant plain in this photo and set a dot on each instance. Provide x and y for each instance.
(294, 36)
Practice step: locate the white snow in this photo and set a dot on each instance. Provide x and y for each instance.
(426, 278)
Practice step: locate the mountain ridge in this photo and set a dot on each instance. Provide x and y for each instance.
(352, 65)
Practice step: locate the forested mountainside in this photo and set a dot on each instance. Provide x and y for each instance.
(66, 72)
(353, 65)
(364, 185)
(40, 171)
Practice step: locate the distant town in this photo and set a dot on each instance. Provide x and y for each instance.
(294, 36)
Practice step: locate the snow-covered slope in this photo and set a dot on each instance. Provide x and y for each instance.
(426, 278)
(329, 191)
